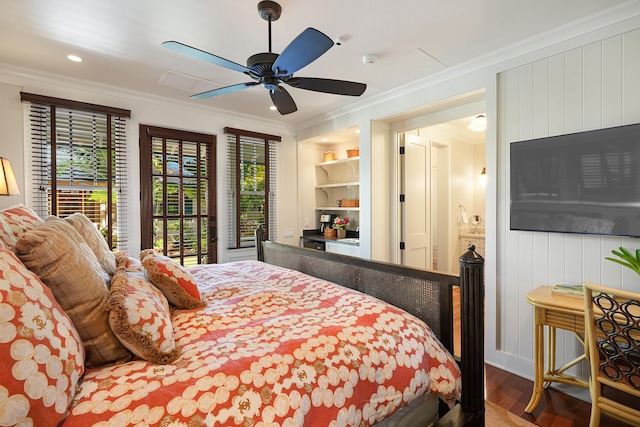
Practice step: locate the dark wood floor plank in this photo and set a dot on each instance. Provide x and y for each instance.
(555, 409)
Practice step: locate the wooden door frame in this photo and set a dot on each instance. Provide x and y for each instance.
(146, 133)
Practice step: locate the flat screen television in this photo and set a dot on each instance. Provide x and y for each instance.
(586, 182)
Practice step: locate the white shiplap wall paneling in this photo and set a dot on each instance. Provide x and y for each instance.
(557, 95)
(631, 77)
(592, 117)
(541, 112)
(612, 82)
(591, 87)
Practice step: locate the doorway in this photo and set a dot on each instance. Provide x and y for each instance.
(439, 172)
(424, 184)
(178, 204)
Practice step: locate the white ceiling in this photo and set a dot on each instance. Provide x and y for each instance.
(120, 42)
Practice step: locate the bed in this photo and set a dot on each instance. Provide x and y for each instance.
(97, 339)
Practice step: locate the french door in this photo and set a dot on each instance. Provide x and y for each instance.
(178, 203)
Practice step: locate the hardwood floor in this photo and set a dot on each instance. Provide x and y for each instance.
(512, 393)
(555, 409)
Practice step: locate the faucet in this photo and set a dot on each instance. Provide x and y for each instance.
(475, 221)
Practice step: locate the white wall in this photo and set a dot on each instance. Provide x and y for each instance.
(149, 111)
(590, 87)
(479, 181)
(382, 156)
(10, 141)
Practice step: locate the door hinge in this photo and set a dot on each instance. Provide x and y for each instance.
(401, 150)
(402, 246)
(402, 198)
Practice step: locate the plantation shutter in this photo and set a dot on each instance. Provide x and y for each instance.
(251, 178)
(78, 163)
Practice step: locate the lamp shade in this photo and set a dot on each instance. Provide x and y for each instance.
(8, 183)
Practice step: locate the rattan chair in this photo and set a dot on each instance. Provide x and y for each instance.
(612, 345)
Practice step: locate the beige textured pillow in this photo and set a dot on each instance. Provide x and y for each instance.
(59, 256)
(140, 317)
(7, 238)
(130, 264)
(95, 240)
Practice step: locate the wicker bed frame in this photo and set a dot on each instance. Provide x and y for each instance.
(425, 294)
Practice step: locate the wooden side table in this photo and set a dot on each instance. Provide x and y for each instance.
(553, 311)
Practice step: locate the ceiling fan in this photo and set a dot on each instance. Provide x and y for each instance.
(271, 70)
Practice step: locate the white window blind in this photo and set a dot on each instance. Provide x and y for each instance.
(251, 186)
(78, 164)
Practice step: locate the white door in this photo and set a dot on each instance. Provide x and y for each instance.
(416, 173)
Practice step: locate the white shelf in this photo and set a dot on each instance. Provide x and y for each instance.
(336, 208)
(342, 172)
(339, 161)
(339, 184)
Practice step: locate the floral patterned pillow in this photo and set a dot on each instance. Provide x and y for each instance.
(20, 219)
(41, 352)
(140, 317)
(175, 282)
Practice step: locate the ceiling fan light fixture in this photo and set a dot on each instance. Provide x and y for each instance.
(271, 84)
(478, 124)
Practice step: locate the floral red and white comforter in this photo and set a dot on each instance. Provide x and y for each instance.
(274, 347)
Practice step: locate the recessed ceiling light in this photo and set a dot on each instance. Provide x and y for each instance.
(325, 140)
(74, 58)
(357, 130)
(478, 124)
(273, 108)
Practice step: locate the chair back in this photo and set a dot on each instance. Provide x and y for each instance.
(612, 344)
(261, 236)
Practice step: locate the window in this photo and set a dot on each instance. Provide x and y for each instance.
(78, 163)
(251, 186)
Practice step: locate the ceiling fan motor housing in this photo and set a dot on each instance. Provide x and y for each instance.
(260, 64)
(269, 10)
